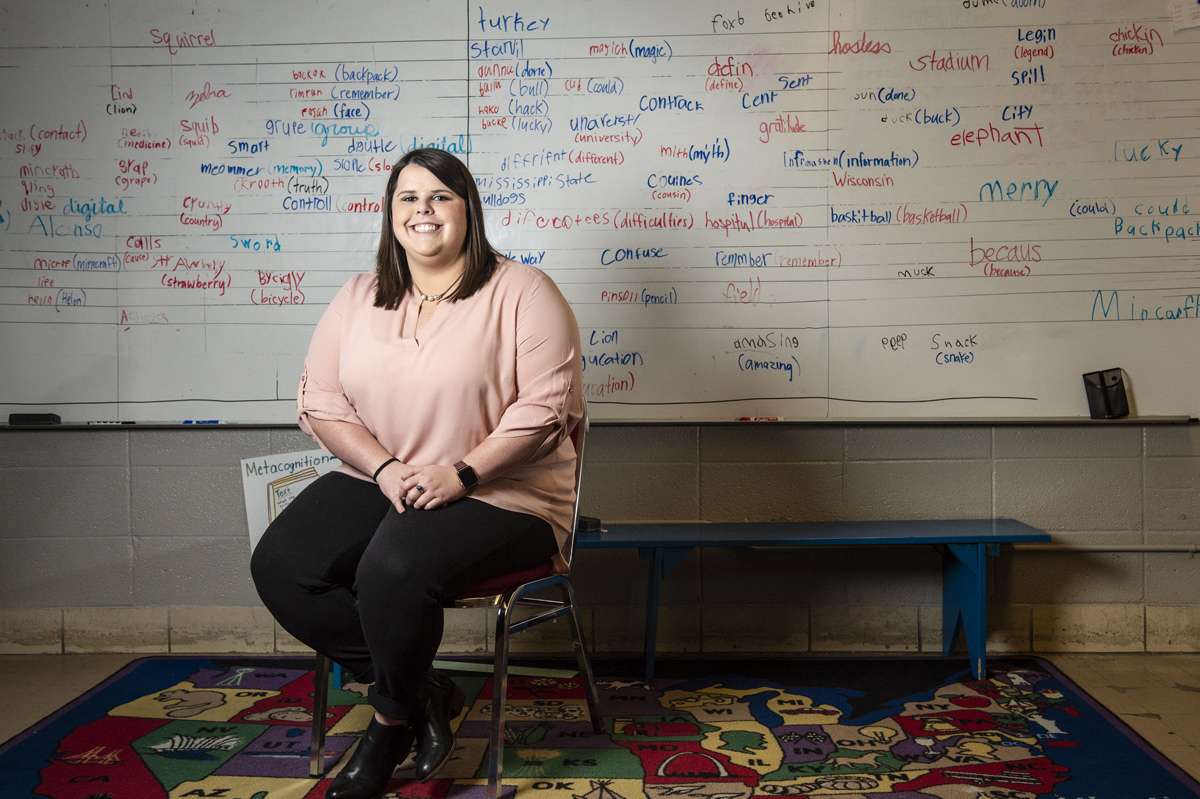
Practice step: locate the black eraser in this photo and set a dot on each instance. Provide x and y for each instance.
(588, 524)
(16, 419)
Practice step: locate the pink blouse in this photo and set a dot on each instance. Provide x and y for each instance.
(504, 362)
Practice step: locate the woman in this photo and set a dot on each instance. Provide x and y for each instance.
(447, 382)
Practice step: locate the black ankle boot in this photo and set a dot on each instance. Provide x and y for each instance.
(440, 701)
(380, 750)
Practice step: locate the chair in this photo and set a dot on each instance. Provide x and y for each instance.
(506, 593)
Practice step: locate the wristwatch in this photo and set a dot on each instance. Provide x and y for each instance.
(466, 476)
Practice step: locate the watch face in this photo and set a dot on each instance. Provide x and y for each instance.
(467, 476)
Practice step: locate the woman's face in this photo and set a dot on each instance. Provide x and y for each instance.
(428, 220)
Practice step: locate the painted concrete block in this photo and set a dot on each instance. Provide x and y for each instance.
(751, 443)
(616, 576)
(192, 571)
(222, 629)
(820, 575)
(1189, 538)
(204, 446)
(918, 489)
(187, 502)
(26, 449)
(1089, 628)
(641, 491)
(1071, 493)
(892, 575)
(929, 628)
(753, 629)
(1010, 628)
(1173, 473)
(467, 630)
(284, 440)
(139, 630)
(31, 631)
(1172, 496)
(907, 443)
(1172, 578)
(66, 572)
(1070, 578)
(864, 628)
(1173, 510)
(620, 628)
(1068, 441)
(790, 576)
(1172, 440)
(1172, 629)
(642, 444)
(64, 502)
(737, 492)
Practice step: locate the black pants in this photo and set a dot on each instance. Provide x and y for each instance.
(345, 573)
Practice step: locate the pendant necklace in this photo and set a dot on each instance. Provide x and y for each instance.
(436, 297)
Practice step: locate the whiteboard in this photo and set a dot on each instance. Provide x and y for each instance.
(810, 210)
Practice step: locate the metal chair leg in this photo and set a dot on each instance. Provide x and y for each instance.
(581, 658)
(499, 702)
(316, 765)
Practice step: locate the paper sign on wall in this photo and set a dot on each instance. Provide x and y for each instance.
(271, 482)
(1185, 14)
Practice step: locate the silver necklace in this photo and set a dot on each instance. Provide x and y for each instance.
(436, 297)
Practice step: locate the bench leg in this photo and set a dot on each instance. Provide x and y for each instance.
(662, 561)
(964, 602)
(650, 642)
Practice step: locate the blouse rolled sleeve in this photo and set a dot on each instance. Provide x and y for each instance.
(549, 373)
(321, 395)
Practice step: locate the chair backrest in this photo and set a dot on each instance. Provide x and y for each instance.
(578, 437)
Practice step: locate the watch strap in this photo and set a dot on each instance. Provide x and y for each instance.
(466, 475)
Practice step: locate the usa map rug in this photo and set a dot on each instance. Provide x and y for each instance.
(911, 728)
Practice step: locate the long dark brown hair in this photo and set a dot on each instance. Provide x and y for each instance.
(391, 262)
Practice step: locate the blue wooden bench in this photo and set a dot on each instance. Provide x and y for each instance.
(965, 545)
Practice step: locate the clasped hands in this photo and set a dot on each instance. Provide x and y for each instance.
(420, 487)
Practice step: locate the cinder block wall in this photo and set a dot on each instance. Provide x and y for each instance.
(135, 539)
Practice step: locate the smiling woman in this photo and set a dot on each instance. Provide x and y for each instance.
(446, 381)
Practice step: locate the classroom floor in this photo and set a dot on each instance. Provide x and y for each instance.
(1157, 695)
